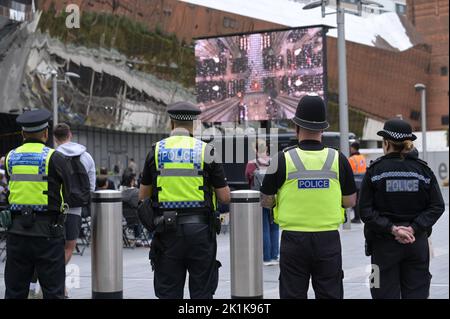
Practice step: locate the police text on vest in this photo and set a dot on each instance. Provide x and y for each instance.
(402, 185)
(313, 183)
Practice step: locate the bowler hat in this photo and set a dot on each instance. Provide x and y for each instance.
(311, 113)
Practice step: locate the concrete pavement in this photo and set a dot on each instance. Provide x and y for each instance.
(138, 277)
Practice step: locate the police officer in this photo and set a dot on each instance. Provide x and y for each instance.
(183, 181)
(400, 202)
(308, 185)
(38, 177)
(359, 167)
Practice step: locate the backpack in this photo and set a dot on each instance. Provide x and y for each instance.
(258, 176)
(80, 190)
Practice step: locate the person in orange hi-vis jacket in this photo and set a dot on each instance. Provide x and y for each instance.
(358, 164)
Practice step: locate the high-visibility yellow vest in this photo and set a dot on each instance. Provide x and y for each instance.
(27, 167)
(310, 199)
(179, 163)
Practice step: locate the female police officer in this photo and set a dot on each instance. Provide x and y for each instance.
(400, 202)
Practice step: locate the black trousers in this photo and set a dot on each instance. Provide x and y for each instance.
(311, 255)
(24, 255)
(403, 269)
(190, 249)
(356, 208)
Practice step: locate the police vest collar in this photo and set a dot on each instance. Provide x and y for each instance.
(311, 145)
(180, 132)
(33, 140)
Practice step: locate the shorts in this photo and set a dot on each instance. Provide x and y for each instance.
(72, 227)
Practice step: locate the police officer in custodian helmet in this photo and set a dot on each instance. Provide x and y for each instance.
(38, 177)
(183, 182)
(308, 185)
(400, 202)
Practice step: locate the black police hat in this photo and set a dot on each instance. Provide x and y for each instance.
(311, 113)
(397, 130)
(34, 121)
(183, 111)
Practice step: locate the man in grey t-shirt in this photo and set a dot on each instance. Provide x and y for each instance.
(63, 137)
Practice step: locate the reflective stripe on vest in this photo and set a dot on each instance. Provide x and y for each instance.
(179, 161)
(27, 167)
(310, 199)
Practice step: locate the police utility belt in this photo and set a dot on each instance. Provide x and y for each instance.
(27, 217)
(170, 219)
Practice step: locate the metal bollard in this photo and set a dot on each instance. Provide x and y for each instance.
(246, 247)
(107, 259)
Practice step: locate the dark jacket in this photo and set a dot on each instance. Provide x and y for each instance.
(130, 202)
(399, 190)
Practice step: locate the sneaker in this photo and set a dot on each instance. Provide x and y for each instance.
(267, 263)
(275, 261)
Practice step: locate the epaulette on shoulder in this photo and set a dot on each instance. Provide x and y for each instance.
(374, 162)
(421, 161)
(287, 149)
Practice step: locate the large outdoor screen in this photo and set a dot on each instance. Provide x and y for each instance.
(259, 76)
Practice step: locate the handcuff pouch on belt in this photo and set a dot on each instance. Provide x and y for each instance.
(217, 222)
(57, 228)
(28, 217)
(170, 221)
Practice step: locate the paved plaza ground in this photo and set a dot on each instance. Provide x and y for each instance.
(138, 277)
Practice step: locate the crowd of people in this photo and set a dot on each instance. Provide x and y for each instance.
(297, 35)
(308, 58)
(239, 65)
(268, 84)
(211, 67)
(272, 62)
(128, 184)
(208, 91)
(305, 83)
(211, 91)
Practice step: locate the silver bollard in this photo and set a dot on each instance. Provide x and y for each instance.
(107, 259)
(246, 246)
